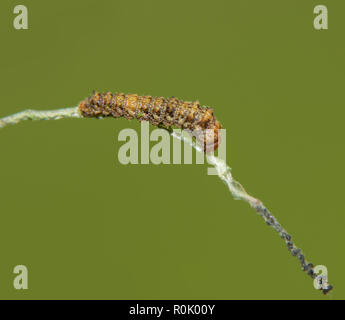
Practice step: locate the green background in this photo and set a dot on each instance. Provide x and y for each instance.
(88, 227)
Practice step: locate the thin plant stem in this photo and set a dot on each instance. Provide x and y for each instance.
(223, 171)
(40, 115)
(239, 193)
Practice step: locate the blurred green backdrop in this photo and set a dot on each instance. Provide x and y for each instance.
(87, 227)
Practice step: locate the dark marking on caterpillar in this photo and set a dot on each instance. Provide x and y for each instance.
(158, 111)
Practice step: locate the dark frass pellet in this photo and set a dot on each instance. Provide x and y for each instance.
(295, 251)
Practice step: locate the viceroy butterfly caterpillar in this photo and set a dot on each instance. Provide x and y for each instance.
(158, 111)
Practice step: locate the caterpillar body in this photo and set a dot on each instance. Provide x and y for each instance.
(158, 111)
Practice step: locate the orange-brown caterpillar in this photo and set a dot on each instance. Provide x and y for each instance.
(158, 111)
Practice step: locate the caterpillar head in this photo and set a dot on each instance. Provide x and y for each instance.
(212, 138)
(209, 138)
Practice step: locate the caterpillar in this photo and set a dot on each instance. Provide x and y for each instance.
(158, 111)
